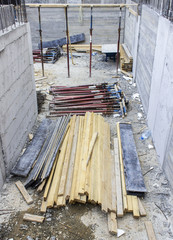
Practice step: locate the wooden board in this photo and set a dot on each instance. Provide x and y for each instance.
(120, 211)
(135, 207)
(72, 161)
(91, 146)
(24, 192)
(43, 206)
(141, 209)
(122, 170)
(129, 203)
(33, 218)
(150, 230)
(133, 175)
(112, 223)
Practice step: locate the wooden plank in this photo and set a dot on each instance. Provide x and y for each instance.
(135, 207)
(50, 178)
(141, 209)
(24, 192)
(134, 180)
(109, 170)
(120, 211)
(122, 169)
(112, 223)
(133, 12)
(60, 202)
(84, 153)
(88, 170)
(113, 184)
(77, 160)
(67, 158)
(91, 146)
(33, 218)
(127, 73)
(52, 197)
(150, 230)
(129, 203)
(41, 186)
(43, 206)
(72, 161)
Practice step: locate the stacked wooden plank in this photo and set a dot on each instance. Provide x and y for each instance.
(126, 59)
(48, 154)
(85, 171)
(101, 98)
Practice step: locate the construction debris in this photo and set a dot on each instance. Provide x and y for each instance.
(126, 59)
(102, 98)
(51, 55)
(33, 218)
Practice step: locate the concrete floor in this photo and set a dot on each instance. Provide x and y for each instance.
(87, 221)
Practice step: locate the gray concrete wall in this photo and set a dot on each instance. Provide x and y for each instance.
(105, 24)
(17, 93)
(154, 74)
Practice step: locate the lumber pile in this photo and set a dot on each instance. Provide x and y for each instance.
(83, 48)
(51, 55)
(102, 98)
(85, 171)
(126, 59)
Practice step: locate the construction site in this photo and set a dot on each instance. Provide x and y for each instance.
(86, 119)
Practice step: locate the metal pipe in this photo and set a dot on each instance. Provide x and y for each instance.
(118, 44)
(1, 20)
(17, 10)
(91, 42)
(67, 40)
(41, 46)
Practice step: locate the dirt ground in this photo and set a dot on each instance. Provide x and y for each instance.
(77, 222)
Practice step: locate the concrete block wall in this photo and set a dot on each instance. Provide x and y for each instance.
(154, 74)
(105, 23)
(18, 102)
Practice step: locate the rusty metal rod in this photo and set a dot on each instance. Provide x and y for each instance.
(118, 44)
(91, 42)
(41, 46)
(67, 40)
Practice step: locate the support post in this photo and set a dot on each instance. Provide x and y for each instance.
(118, 44)
(91, 42)
(67, 41)
(41, 46)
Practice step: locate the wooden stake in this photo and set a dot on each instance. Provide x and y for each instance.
(33, 218)
(150, 230)
(24, 192)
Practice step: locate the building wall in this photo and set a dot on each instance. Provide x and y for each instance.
(154, 74)
(105, 23)
(18, 102)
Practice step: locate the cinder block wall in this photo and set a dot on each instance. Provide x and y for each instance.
(153, 59)
(18, 104)
(105, 22)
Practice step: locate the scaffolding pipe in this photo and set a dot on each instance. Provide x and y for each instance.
(91, 42)
(118, 44)
(41, 46)
(67, 41)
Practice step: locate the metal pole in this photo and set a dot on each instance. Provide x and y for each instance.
(67, 40)
(118, 44)
(1, 17)
(91, 23)
(41, 46)
(17, 11)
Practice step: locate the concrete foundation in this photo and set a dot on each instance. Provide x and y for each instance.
(18, 102)
(153, 61)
